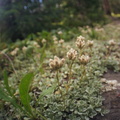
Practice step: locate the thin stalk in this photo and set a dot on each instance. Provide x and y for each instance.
(81, 51)
(57, 77)
(42, 116)
(58, 82)
(70, 70)
(11, 63)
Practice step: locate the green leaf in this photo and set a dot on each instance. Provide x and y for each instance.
(48, 91)
(24, 91)
(43, 54)
(6, 84)
(42, 57)
(5, 97)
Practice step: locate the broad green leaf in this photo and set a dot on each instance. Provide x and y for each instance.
(6, 84)
(24, 91)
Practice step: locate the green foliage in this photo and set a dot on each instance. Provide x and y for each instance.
(6, 84)
(115, 6)
(24, 92)
(24, 95)
(46, 15)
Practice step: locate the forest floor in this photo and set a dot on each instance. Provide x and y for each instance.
(112, 99)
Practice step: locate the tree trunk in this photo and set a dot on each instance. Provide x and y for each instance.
(106, 7)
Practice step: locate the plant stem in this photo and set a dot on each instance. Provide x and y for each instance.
(57, 77)
(11, 63)
(70, 71)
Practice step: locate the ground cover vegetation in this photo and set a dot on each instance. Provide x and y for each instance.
(45, 78)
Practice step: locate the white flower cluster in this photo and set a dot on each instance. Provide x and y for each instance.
(61, 41)
(84, 59)
(109, 85)
(56, 63)
(111, 42)
(44, 41)
(60, 32)
(80, 43)
(14, 52)
(24, 49)
(36, 44)
(90, 43)
(54, 37)
(72, 54)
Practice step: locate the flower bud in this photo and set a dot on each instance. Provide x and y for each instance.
(80, 43)
(59, 32)
(56, 63)
(111, 42)
(14, 52)
(24, 49)
(61, 41)
(84, 59)
(90, 43)
(43, 41)
(72, 54)
(36, 44)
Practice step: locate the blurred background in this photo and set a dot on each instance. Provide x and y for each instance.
(20, 18)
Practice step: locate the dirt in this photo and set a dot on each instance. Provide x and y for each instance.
(112, 99)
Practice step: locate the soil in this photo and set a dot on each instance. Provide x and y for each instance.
(112, 99)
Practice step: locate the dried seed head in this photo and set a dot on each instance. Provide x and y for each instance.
(84, 59)
(56, 63)
(14, 52)
(61, 41)
(90, 43)
(80, 43)
(59, 32)
(24, 49)
(111, 42)
(54, 37)
(56, 42)
(72, 54)
(36, 44)
(44, 41)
